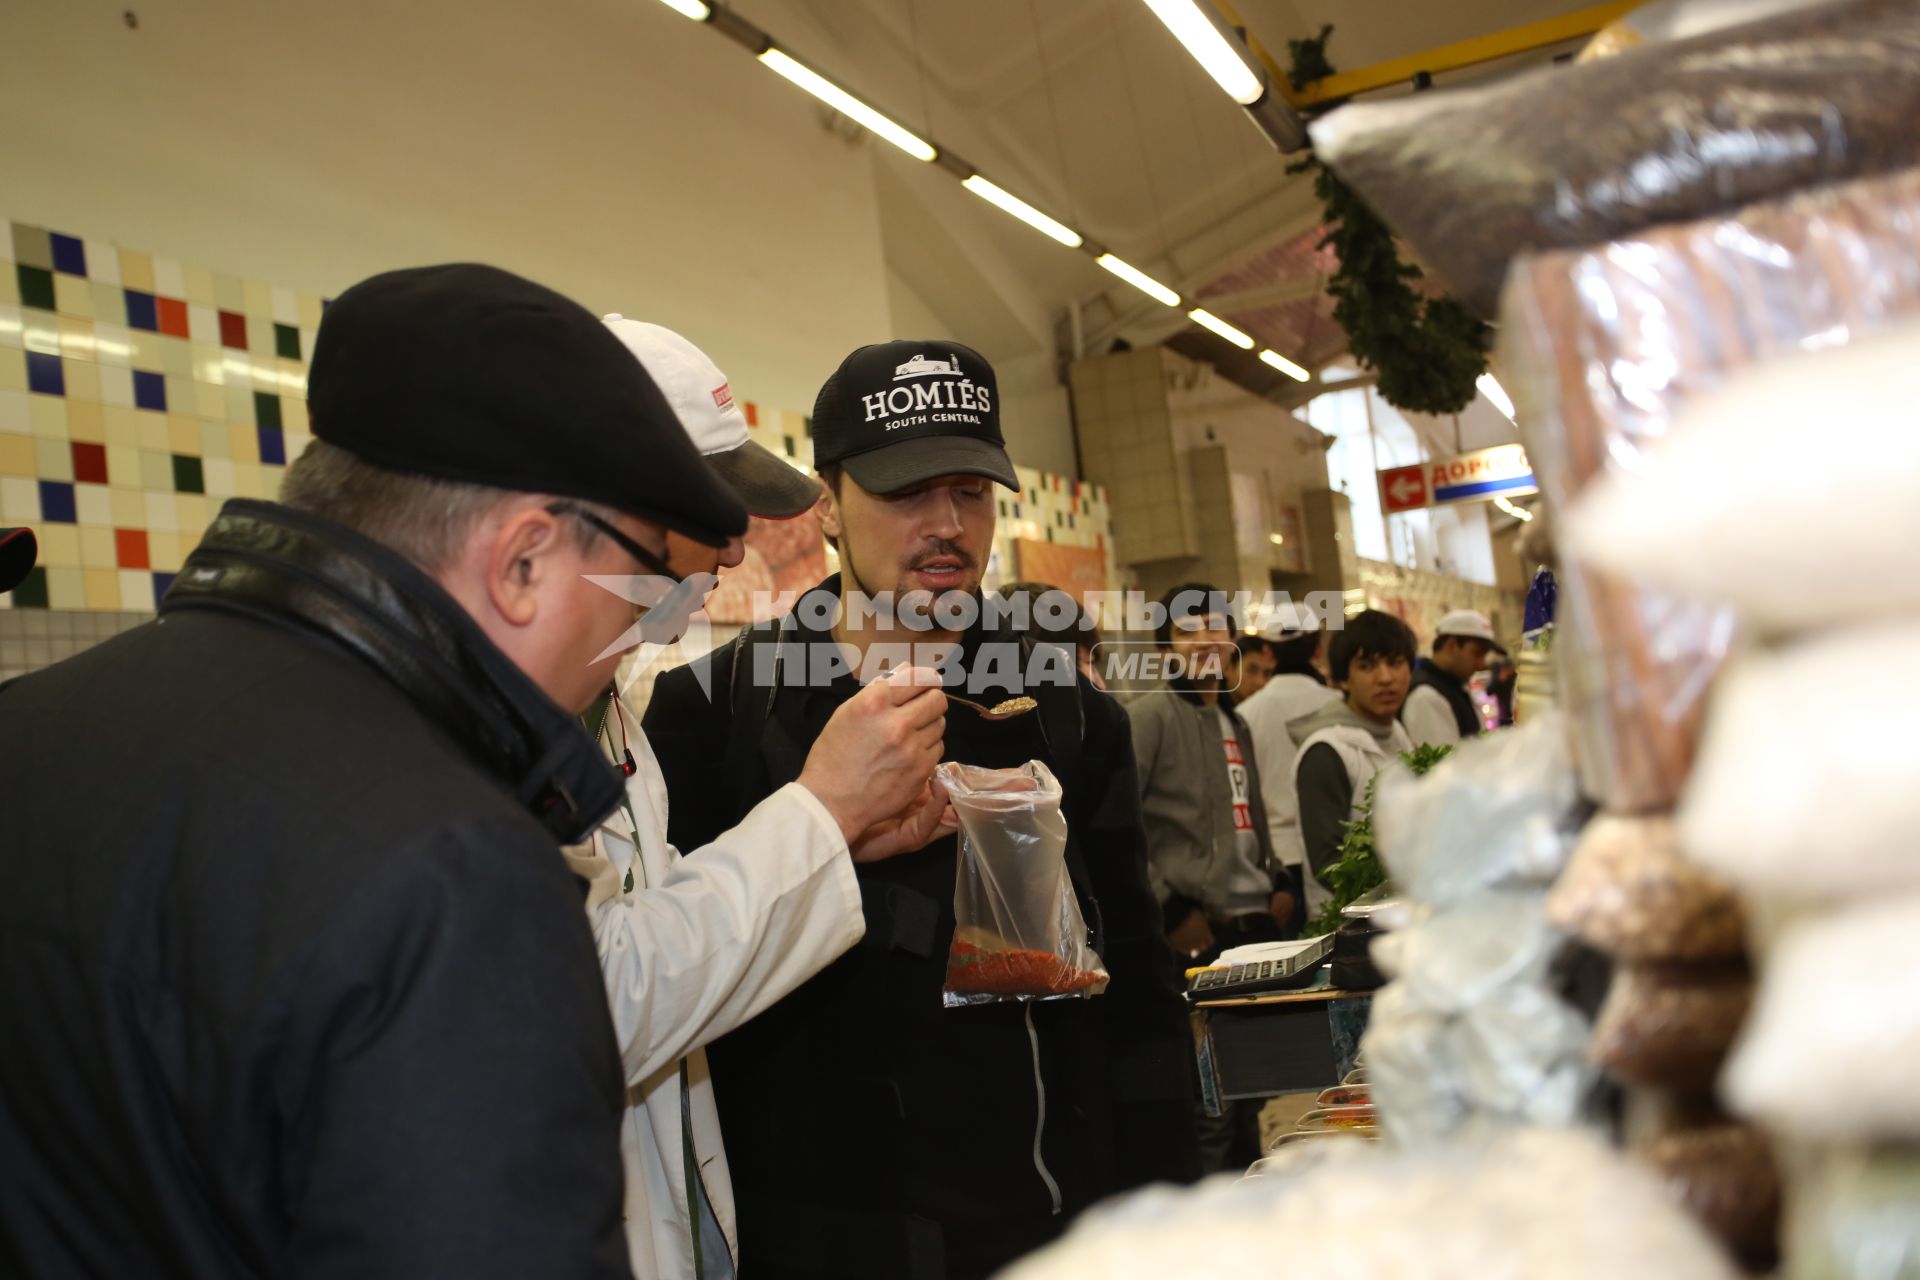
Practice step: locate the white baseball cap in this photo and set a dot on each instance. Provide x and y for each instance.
(768, 486)
(1466, 622)
(1289, 620)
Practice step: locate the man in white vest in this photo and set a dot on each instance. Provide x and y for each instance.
(1296, 691)
(1344, 744)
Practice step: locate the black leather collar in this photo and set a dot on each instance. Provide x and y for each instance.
(296, 570)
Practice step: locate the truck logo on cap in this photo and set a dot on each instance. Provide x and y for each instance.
(920, 367)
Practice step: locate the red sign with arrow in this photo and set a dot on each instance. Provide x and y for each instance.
(1403, 489)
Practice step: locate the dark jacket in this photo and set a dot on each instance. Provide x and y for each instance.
(1449, 686)
(292, 981)
(870, 1131)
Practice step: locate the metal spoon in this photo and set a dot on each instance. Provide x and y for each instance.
(1005, 710)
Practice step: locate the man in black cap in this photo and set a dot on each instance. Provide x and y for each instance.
(873, 1133)
(293, 975)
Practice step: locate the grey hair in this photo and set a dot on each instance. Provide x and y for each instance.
(425, 519)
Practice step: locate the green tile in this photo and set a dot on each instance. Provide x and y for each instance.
(188, 477)
(286, 341)
(32, 591)
(32, 246)
(36, 287)
(266, 409)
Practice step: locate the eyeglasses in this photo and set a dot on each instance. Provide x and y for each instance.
(648, 561)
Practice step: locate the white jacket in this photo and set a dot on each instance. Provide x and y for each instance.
(699, 945)
(1428, 717)
(1364, 755)
(1286, 697)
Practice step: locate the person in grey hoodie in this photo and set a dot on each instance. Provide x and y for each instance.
(1345, 743)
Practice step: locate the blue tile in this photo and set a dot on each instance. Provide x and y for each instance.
(140, 311)
(150, 390)
(161, 581)
(273, 446)
(69, 255)
(45, 375)
(56, 502)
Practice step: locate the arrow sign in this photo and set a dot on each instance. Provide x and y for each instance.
(1403, 489)
(1502, 471)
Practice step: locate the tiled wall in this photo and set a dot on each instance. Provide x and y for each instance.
(34, 638)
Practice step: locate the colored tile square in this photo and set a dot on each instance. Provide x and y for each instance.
(195, 513)
(155, 471)
(171, 316)
(309, 313)
(19, 500)
(239, 405)
(141, 313)
(103, 263)
(176, 355)
(116, 386)
(112, 344)
(199, 289)
(149, 391)
(257, 298)
(44, 374)
(65, 589)
(273, 446)
(47, 415)
(89, 462)
(243, 443)
(16, 456)
(219, 478)
(93, 505)
(167, 550)
(203, 325)
(129, 506)
(56, 502)
(36, 287)
(187, 475)
(260, 335)
(136, 590)
(161, 583)
(69, 255)
(103, 589)
(131, 547)
(210, 400)
(162, 515)
(215, 441)
(83, 382)
(233, 330)
(96, 547)
(183, 435)
(124, 426)
(284, 309)
(229, 293)
(73, 296)
(136, 270)
(266, 410)
(32, 591)
(32, 246)
(169, 278)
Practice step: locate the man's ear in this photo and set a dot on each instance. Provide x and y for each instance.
(521, 560)
(827, 510)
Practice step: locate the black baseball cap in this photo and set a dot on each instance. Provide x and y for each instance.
(18, 549)
(897, 414)
(470, 373)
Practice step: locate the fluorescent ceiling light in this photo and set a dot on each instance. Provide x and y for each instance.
(1277, 539)
(1208, 320)
(1285, 365)
(692, 8)
(1140, 280)
(1210, 48)
(1518, 513)
(1493, 391)
(1022, 210)
(848, 105)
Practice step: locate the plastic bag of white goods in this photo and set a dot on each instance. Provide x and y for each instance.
(1790, 492)
(1832, 1050)
(1808, 780)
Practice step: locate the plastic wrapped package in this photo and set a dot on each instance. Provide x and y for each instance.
(1828, 809)
(1470, 177)
(1018, 932)
(1629, 892)
(1735, 484)
(1832, 1050)
(1670, 1026)
(1725, 1176)
(1527, 1205)
(1679, 20)
(1457, 958)
(1851, 1216)
(1522, 1057)
(1493, 813)
(1601, 349)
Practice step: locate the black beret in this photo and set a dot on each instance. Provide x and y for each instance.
(470, 373)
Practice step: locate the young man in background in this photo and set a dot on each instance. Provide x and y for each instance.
(1439, 708)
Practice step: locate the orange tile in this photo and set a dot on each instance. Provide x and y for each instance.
(130, 547)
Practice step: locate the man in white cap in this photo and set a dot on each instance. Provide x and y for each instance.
(1439, 710)
(694, 946)
(1296, 690)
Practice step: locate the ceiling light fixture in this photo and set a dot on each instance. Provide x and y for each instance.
(1285, 366)
(1492, 390)
(1208, 320)
(1202, 36)
(1140, 280)
(1025, 212)
(1518, 513)
(692, 8)
(848, 105)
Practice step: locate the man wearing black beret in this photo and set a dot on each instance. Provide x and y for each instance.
(293, 976)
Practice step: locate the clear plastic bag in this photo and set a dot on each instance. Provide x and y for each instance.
(1686, 128)
(1018, 933)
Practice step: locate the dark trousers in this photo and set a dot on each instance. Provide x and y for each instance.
(1231, 1140)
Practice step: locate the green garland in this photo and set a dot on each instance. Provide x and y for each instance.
(1428, 352)
(1358, 870)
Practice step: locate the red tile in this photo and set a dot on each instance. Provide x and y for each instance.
(233, 330)
(172, 316)
(753, 414)
(89, 463)
(130, 547)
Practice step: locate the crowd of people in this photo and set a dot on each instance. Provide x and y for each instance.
(408, 945)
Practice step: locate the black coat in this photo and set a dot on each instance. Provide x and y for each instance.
(292, 982)
(870, 1131)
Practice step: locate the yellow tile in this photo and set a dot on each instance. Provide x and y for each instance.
(293, 413)
(156, 477)
(136, 590)
(149, 349)
(129, 504)
(249, 481)
(177, 363)
(13, 367)
(76, 337)
(214, 440)
(210, 400)
(309, 313)
(103, 589)
(16, 455)
(151, 434)
(183, 434)
(71, 296)
(200, 286)
(123, 470)
(259, 298)
(96, 548)
(243, 443)
(59, 545)
(65, 589)
(49, 416)
(166, 551)
(136, 271)
(83, 384)
(196, 513)
(52, 459)
(86, 420)
(123, 425)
